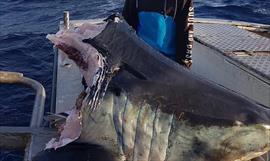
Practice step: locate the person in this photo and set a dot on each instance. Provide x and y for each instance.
(166, 25)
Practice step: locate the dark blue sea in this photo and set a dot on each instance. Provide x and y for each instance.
(24, 25)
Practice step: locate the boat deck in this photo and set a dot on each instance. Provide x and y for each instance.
(247, 48)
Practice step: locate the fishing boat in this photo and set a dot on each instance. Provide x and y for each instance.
(234, 54)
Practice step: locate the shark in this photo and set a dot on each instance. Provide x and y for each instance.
(142, 106)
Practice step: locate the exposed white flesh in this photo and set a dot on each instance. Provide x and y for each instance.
(89, 30)
(90, 64)
(89, 54)
(70, 132)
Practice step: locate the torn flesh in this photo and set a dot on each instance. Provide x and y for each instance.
(92, 66)
(70, 132)
(85, 56)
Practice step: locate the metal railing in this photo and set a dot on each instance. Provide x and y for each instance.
(38, 108)
(32, 139)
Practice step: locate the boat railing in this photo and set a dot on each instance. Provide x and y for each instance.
(38, 108)
(24, 137)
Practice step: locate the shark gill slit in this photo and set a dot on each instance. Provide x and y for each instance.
(125, 108)
(116, 124)
(135, 138)
(153, 131)
(168, 139)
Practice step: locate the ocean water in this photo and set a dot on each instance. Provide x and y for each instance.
(24, 25)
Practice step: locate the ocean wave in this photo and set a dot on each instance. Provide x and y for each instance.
(29, 53)
(235, 11)
(14, 155)
(262, 11)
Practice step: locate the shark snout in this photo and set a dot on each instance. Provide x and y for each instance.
(246, 143)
